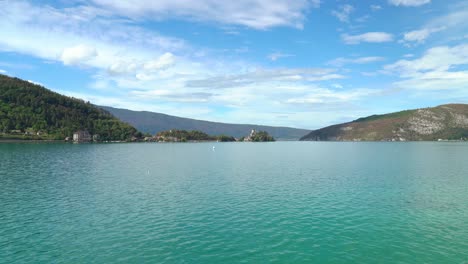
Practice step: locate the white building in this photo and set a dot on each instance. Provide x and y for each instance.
(81, 136)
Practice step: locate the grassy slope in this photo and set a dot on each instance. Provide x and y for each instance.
(401, 125)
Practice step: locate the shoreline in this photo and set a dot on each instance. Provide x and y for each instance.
(4, 140)
(209, 141)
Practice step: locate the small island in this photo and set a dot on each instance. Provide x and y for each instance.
(258, 136)
(176, 135)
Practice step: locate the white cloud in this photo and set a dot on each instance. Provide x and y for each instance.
(375, 7)
(258, 14)
(121, 67)
(322, 95)
(119, 51)
(266, 76)
(3, 71)
(140, 69)
(338, 62)
(278, 55)
(454, 82)
(343, 13)
(452, 23)
(363, 19)
(439, 69)
(456, 18)
(174, 96)
(75, 35)
(441, 58)
(77, 54)
(420, 36)
(371, 37)
(369, 74)
(409, 2)
(166, 60)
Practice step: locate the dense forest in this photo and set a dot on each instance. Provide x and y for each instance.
(183, 135)
(193, 135)
(176, 135)
(31, 111)
(262, 136)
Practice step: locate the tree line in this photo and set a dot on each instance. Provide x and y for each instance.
(29, 107)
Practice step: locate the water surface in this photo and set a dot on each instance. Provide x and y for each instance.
(282, 202)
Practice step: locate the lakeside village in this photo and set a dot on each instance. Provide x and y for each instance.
(174, 135)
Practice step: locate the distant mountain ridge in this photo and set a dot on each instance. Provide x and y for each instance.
(150, 122)
(447, 122)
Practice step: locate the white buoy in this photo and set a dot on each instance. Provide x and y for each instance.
(214, 148)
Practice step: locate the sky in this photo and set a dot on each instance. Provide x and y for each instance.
(298, 63)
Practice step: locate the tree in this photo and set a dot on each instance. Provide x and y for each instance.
(24, 105)
(262, 136)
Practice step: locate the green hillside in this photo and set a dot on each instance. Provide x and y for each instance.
(29, 111)
(446, 122)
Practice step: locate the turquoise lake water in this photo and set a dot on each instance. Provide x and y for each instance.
(282, 202)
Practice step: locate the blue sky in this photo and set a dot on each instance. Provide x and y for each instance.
(302, 63)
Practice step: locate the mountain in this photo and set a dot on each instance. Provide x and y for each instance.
(442, 122)
(30, 109)
(153, 123)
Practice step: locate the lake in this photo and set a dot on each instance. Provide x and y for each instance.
(281, 202)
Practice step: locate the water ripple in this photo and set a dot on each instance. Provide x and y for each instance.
(284, 202)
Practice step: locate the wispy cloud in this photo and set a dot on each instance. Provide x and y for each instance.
(371, 37)
(338, 62)
(16, 65)
(140, 69)
(321, 95)
(453, 23)
(408, 2)
(77, 54)
(278, 55)
(343, 13)
(419, 36)
(266, 76)
(439, 69)
(441, 58)
(118, 48)
(257, 14)
(78, 35)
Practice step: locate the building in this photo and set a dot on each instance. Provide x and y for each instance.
(253, 133)
(81, 136)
